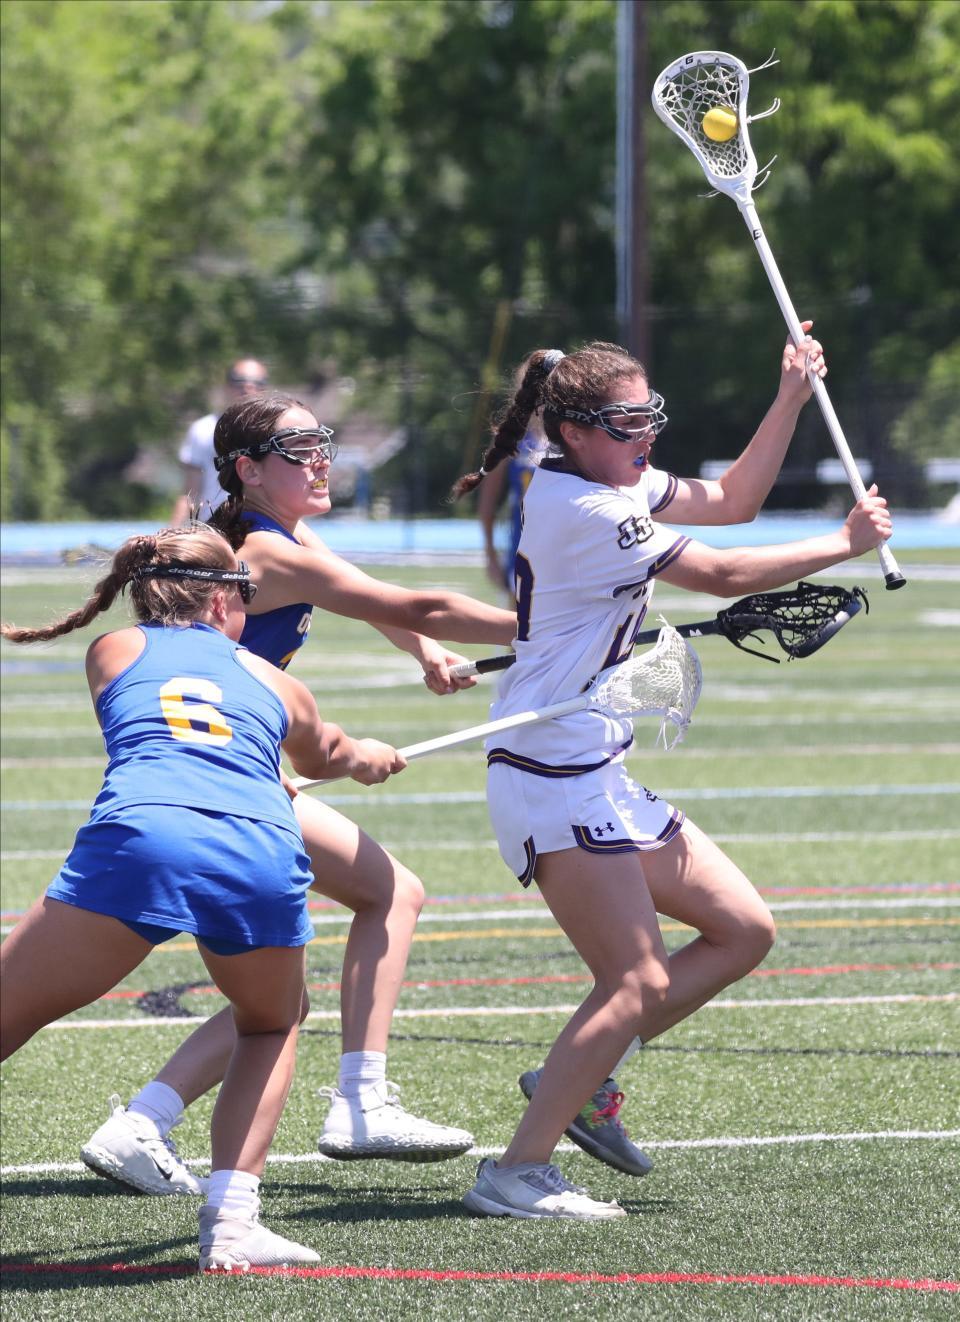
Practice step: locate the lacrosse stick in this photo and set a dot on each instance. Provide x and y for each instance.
(702, 97)
(664, 682)
(801, 619)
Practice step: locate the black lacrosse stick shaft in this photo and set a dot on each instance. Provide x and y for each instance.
(801, 619)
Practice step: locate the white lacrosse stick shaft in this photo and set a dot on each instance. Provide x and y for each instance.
(664, 682)
(413, 751)
(891, 570)
(682, 94)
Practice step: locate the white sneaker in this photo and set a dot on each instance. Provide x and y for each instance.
(235, 1244)
(128, 1150)
(378, 1126)
(532, 1190)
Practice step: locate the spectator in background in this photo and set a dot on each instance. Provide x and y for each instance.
(201, 485)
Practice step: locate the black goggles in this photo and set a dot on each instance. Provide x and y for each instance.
(240, 575)
(300, 453)
(653, 418)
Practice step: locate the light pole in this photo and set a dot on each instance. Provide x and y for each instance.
(633, 273)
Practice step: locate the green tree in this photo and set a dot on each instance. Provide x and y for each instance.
(419, 193)
(460, 176)
(139, 228)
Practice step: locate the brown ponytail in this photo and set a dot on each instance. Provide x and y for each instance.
(239, 427)
(166, 601)
(512, 422)
(553, 382)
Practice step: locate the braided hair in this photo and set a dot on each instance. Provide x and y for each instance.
(551, 382)
(162, 600)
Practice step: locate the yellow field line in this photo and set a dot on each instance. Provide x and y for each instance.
(499, 933)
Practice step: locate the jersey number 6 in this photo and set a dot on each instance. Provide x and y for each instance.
(194, 722)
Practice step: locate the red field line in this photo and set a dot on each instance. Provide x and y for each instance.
(561, 978)
(565, 1278)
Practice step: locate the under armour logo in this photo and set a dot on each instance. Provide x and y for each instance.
(599, 830)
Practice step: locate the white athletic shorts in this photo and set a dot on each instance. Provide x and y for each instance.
(603, 812)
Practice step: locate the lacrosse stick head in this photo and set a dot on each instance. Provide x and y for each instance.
(801, 619)
(664, 682)
(686, 92)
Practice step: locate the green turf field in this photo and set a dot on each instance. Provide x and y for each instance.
(805, 1127)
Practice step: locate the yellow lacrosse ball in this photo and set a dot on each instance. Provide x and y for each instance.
(720, 124)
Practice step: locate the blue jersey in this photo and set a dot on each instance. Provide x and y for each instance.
(276, 635)
(520, 469)
(186, 723)
(192, 830)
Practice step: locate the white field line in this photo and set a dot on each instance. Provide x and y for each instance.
(517, 914)
(511, 1011)
(478, 796)
(92, 731)
(731, 1141)
(901, 700)
(792, 751)
(429, 846)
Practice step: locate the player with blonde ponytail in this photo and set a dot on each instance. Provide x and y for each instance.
(193, 724)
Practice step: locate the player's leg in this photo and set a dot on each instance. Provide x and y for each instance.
(609, 814)
(265, 988)
(57, 959)
(693, 881)
(386, 899)
(605, 909)
(365, 1117)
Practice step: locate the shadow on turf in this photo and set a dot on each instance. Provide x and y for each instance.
(80, 1273)
(78, 1187)
(417, 1203)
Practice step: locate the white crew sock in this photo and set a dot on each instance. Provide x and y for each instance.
(160, 1104)
(234, 1193)
(631, 1050)
(361, 1070)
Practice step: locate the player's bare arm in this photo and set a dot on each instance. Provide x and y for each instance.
(733, 572)
(287, 573)
(739, 494)
(319, 748)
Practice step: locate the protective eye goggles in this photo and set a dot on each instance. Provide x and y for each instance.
(240, 575)
(653, 418)
(299, 453)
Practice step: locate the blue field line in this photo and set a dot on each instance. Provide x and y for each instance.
(40, 543)
(478, 796)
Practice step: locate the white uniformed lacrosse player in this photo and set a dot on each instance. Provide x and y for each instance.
(608, 854)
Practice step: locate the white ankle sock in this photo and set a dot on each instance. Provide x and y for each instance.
(160, 1104)
(234, 1193)
(360, 1070)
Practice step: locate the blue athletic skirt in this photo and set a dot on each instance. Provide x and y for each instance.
(229, 878)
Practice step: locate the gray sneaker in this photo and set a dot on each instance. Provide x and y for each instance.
(128, 1150)
(531, 1191)
(598, 1129)
(234, 1244)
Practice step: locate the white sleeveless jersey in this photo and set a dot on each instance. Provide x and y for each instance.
(586, 565)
